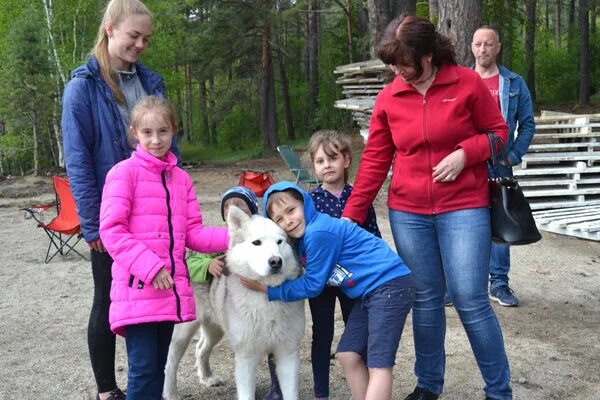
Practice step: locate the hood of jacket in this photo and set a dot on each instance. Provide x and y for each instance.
(310, 210)
(150, 79)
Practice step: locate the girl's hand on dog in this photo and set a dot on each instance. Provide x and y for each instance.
(254, 285)
(217, 267)
(163, 280)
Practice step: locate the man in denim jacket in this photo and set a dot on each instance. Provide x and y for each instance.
(514, 100)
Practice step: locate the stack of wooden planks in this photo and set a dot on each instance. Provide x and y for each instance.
(562, 166)
(360, 84)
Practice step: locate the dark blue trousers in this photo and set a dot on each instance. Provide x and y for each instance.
(322, 309)
(147, 350)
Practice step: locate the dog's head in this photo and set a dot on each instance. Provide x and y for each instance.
(259, 249)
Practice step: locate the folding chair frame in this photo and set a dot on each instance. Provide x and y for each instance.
(60, 241)
(309, 179)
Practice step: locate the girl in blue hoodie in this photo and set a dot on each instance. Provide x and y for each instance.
(339, 253)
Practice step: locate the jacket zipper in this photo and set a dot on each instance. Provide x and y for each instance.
(430, 186)
(171, 244)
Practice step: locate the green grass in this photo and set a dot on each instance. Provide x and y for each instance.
(191, 153)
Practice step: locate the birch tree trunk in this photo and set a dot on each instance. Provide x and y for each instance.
(458, 21)
(48, 13)
(36, 140)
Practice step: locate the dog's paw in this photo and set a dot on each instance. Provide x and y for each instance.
(213, 380)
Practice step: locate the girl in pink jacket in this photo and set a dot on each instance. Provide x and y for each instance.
(149, 215)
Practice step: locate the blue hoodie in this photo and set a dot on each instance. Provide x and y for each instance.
(337, 253)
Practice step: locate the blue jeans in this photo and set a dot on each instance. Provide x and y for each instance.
(377, 320)
(499, 265)
(322, 309)
(452, 249)
(147, 350)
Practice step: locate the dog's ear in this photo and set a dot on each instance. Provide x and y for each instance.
(236, 218)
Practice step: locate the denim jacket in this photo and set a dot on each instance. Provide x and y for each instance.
(517, 111)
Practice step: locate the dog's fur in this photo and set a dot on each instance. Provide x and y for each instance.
(255, 327)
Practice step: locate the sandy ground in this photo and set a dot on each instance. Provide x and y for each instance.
(552, 338)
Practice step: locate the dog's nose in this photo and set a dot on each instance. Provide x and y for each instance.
(275, 263)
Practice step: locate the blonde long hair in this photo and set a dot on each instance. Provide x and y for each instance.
(116, 11)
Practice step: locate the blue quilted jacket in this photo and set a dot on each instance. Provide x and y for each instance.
(94, 136)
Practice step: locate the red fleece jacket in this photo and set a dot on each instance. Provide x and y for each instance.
(416, 132)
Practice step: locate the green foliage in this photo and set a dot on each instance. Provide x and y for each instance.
(25, 81)
(239, 129)
(218, 44)
(553, 83)
(16, 152)
(198, 153)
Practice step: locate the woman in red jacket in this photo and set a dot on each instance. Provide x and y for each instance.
(430, 125)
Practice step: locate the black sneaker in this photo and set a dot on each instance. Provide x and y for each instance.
(504, 295)
(116, 394)
(422, 394)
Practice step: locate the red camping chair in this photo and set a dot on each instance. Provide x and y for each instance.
(65, 226)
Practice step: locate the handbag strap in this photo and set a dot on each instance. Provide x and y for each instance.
(498, 156)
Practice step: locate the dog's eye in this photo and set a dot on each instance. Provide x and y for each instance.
(279, 241)
(257, 243)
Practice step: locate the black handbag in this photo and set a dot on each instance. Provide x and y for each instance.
(512, 221)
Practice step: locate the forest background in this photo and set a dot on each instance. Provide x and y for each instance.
(247, 75)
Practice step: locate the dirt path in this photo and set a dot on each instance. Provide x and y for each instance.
(552, 338)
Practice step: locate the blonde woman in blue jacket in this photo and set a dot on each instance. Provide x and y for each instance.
(96, 106)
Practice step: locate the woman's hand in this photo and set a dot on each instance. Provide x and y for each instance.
(450, 167)
(254, 285)
(163, 280)
(217, 267)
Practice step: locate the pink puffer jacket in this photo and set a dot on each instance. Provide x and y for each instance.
(149, 214)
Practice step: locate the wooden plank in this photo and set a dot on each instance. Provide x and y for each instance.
(555, 204)
(560, 192)
(591, 146)
(565, 135)
(562, 156)
(581, 222)
(564, 222)
(578, 167)
(566, 126)
(358, 79)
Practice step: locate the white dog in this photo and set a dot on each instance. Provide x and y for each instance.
(255, 327)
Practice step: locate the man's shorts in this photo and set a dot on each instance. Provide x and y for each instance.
(376, 323)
